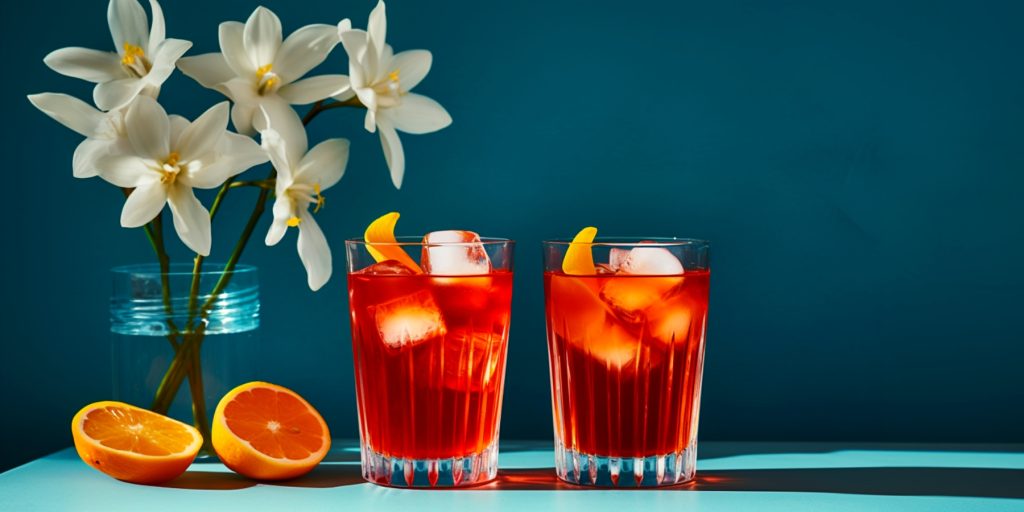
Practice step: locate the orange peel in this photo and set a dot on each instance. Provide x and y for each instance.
(382, 233)
(579, 259)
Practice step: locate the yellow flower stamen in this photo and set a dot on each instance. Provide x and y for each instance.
(266, 79)
(393, 76)
(131, 52)
(170, 168)
(294, 222)
(319, 198)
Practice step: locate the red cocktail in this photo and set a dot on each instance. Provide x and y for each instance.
(626, 352)
(429, 365)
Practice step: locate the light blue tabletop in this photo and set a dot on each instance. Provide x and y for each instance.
(731, 476)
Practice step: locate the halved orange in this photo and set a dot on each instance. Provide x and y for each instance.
(268, 432)
(382, 233)
(579, 259)
(133, 444)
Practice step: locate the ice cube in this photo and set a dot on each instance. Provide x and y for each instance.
(470, 359)
(612, 344)
(387, 267)
(616, 257)
(409, 320)
(669, 321)
(629, 296)
(465, 256)
(578, 315)
(648, 261)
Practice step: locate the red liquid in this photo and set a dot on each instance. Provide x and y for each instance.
(430, 386)
(626, 357)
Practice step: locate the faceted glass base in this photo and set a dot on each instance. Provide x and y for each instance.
(451, 472)
(654, 471)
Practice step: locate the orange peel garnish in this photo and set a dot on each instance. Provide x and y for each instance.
(382, 232)
(579, 260)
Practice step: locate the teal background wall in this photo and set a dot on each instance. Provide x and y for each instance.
(857, 165)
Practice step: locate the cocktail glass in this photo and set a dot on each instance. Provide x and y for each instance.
(626, 352)
(429, 351)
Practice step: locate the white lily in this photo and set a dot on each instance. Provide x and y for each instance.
(382, 81)
(259, 71)
(143, 61)
(104, 131)
(301, 180)
(168, 156)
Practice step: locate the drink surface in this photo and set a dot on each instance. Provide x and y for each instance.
(429, 361)
(626, 355)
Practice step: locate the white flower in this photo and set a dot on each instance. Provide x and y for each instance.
(167, 157)
(104, 130)
(382, 81)
(257, 71)
(143, 61)
(301, 180)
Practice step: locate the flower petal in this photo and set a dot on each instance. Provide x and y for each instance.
(314, 252)
(262, 36)
(204, 134)
(393, 153)
(235, 154)
(246, 104)
(167, 54)
(275, 148)
(127, 22)
(354, 42)
(144, 204)
(345, 94)
(191, 219)
(283, 119)
(241, 117)
(233, 49)
(149, 129)
(126, 171)
(178, 126)
(377, 28)
(87, 154)
(412, 67)
(303, 50)
(85, 64)
(117, 94)
(344, 26)
(159, 30)
(324, 164)
(279, 226)
(313, 89)
(69, 111)
(370, 120)
(418, 114)
(210, 70)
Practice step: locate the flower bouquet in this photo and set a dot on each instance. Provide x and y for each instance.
(158, 159)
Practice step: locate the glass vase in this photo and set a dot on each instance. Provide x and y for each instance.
(178, 347)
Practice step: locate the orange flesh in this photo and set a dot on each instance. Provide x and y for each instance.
(274, 423)
(136, 431)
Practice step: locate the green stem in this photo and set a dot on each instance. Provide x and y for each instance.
(188, 355)
(220, 197)
(267, 184)
(155, 234)
(198, 392)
